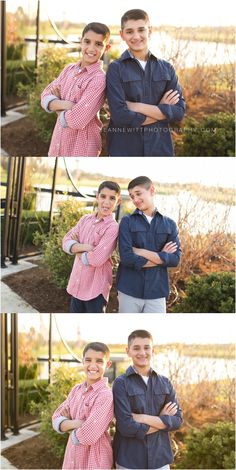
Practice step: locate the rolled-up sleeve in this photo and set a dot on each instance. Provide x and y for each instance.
(172, 423)
(126, 425)
(171, 259)
(120, 114)
(173, 112)
(127, 256)
(67, 241)
(46, 95)
(63, 409)
(88, 106)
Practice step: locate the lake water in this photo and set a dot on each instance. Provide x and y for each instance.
(189, 53)
(179, 368)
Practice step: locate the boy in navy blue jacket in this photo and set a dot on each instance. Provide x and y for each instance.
(148, 245)
(143, 93)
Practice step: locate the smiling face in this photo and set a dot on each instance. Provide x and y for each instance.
(107, 200)
(136, 34)
(143, 199)
(140, 351)
(93, 46)
(95, 364)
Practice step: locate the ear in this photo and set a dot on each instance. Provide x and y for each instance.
(152, 189)
(108, 46)
(127, 350)
(121, 34)
(149, 31)
(109, 363)
(119, 200)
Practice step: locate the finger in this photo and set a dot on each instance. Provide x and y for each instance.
(168, 93)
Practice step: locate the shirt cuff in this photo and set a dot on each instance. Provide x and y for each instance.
(46, 100)
(63, 119)
(167, 421)
(68, 245)
(84, 259)
(166, 109)
(57, 422)
(139, 263)
(164, 257)
(74, 438)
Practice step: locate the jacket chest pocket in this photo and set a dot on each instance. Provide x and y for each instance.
(161, 238)
(160, 399)
(132, 84)
(159, 85)
(139, 236)
(137, 399)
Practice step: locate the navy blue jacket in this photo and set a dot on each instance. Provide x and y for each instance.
(132, 447)
(135, 231)
(127, 81)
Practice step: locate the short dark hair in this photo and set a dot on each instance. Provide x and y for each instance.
(110, 185)
(96, 346)
(135, 14)
(140, 181)
(98, 28)
(139, 334)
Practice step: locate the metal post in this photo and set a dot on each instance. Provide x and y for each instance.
(15, 373)
(37, 35)
(50, 349)
(53, 193)
(3, 58)
(3, 376)
(7, 212)
(20, 195)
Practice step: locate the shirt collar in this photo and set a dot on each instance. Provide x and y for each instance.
(132, 371)
(137, 211)
(102, 383)
(90, 68)
(106, 220)
(127, 54)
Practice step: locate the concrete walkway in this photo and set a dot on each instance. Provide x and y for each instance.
(12, 115)
(25, 433)
(10, 301)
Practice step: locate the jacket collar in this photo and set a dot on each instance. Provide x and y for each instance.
(132, 371)
(127, 54)
(102, 383)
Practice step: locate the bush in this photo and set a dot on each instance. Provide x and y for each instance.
(31, 392)
(210, 447)
(32, 222)
(213, 293)
(63, 381)
(57, 261)
(52, 62)
(213, 136)
(19, 73)
(28, 371)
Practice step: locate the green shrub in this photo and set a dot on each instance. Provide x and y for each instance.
(213, 136)
(56, 260)
(213, 293)
(31, 392)
(19, 73)
(52, 62)
(28, 371)
(15, 51)
(32, 222)
(210, 447)
(63, 381)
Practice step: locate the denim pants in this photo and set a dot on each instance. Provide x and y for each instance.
(96, 305)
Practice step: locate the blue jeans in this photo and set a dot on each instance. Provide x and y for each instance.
(96, 305)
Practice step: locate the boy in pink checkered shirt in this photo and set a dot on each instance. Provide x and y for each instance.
(77, 95)
(93, 241)
(86, 414)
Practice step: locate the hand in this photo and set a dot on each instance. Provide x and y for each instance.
(87, 247)
(170, 97)
(170, 409)
(78, 423)
(170, 247)
(55, 90)
(74, 236)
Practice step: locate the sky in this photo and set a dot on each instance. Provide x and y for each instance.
(114, 328)
(218, 171)
(181, 13)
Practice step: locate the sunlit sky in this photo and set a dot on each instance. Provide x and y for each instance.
(206, 170)
(181, 328)
(180, 13)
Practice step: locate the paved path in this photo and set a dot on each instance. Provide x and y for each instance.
(5, 464)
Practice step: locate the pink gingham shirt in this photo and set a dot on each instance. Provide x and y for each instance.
(92, 272)
(77, 132)
(88, 447)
